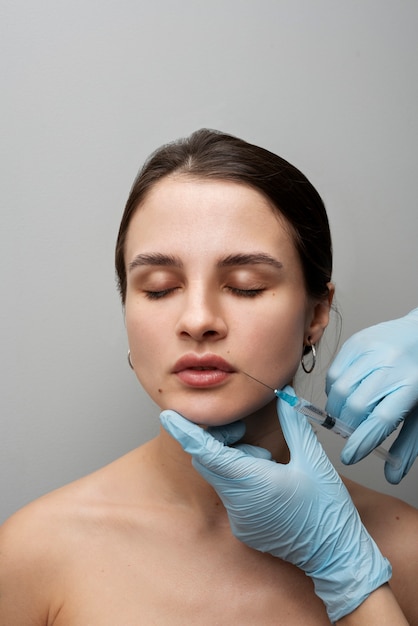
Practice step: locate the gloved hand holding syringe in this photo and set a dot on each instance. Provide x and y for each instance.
(321, 417)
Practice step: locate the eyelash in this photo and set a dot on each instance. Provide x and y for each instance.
(246, 293)
(157, 295)
(243, 293)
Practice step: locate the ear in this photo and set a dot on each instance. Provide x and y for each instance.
(319, 317)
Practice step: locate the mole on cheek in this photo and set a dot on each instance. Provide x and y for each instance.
(160, 391)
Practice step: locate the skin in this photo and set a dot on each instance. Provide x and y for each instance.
(202, 224)
(146, 540)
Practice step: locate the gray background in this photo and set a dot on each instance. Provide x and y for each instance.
(89, 89)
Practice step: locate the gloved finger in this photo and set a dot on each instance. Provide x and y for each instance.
(255, 451)
(193, 438)
(405, 447)
(297, 431)
(351, 352)
(354, 370)
(309, 467)
(393, 402)
(379, 425)
(209, 454)
(371, 393)
(229, 433)
(345, 384)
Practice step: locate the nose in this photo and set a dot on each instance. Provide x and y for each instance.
(201, 317)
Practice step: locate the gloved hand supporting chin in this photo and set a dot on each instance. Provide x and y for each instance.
(300, 511)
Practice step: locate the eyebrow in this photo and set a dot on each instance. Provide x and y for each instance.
(166, 260)
(155, 258)
(255, 258)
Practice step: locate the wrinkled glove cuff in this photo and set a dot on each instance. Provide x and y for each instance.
(344, 590)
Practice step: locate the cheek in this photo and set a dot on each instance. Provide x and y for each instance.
(143, 339)
(146, 356)
(277, 345)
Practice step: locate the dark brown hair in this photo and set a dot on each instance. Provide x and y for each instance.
(214, 155)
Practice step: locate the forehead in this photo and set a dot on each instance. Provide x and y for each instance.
(183, 211)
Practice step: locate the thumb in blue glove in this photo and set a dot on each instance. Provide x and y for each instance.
(372, 386)
(300, 512)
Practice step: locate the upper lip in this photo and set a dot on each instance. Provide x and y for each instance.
(210, 361)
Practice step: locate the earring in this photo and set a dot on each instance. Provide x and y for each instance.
(306, 350)
(129, 360)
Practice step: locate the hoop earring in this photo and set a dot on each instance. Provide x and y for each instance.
(129, 360)
(307, 349)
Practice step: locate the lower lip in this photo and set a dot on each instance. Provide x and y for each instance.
(203, 378)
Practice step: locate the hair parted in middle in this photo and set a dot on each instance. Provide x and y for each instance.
(211, 154)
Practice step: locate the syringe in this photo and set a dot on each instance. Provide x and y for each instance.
(318, 416)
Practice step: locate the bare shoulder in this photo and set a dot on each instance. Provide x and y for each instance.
(45, 540)
(384, 516)
(393, 524)
(29, 558)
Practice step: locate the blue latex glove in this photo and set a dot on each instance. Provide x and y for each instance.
(300, 512)
(373, 386)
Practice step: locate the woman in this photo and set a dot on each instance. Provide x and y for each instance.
(224, 265)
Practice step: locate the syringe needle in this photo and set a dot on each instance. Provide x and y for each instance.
(318, 416)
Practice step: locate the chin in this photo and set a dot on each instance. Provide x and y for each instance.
(210, 422)
(205, 418)
(213, 413)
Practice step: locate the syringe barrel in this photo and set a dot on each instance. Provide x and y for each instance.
(340, 428)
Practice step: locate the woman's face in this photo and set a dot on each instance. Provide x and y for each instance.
(214, 288)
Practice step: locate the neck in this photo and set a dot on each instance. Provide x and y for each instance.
(263, 430)
(178, 481)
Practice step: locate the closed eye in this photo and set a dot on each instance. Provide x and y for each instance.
(157, 295)
(246, 293)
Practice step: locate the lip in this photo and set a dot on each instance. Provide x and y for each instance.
(195, 361)
(202, 370)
